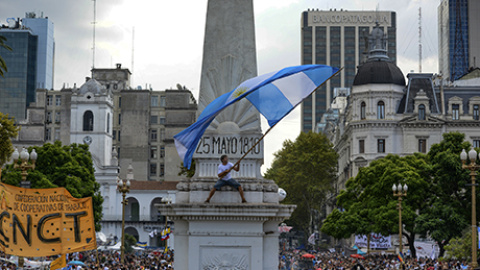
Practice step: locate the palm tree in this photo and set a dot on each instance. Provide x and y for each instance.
(3, 65)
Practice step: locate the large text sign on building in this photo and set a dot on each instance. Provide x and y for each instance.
(231, 145)
(44, 222)
(349, 18)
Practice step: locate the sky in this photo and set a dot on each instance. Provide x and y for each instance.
(168, 40)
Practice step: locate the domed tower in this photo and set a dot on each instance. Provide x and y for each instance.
(379, 84)
(91, 121)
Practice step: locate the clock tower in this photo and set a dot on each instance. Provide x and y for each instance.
(91, 121)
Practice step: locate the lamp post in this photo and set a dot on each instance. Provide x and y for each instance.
(400, 192)
(123, 187)
(24, 166)
(473, 167)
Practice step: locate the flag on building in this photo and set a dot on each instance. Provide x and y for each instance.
(274, 95)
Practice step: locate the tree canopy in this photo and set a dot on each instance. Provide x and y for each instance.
(68, 166)
(437, 203)
(3, 65)
(306, 169)
(8, 130)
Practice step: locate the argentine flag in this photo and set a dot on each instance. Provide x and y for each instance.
(274, 95)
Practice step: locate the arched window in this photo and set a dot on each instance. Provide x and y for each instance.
(381, 110)
(363, 108)
(88, 121)
(108, 123)
(421, 112)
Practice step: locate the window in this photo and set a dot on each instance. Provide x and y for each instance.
(49, 100)
(114, 133)
(118, 152)
(119, 101)
(153, 135)
(153, 152)
(48, 134)
(108, 123)
(455, 111)
(162, 120)
(363, 108)
(58, 100)
(361, 146)
(162, 134)
(119, 118)
(162, 170)
(154, 101)
(153, 119)
(421, 112)
(162, 151)
(57, 117)
(163, 101)
(422, 145)
(475, 112)
(88, 121)
(57, 134)
(49, 117)
(381, 110)
(381, 145)
(118, 139)
(153, 169)
(476, 143)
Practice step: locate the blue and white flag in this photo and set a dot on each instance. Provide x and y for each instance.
(274, 95)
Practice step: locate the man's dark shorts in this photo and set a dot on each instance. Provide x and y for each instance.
(230, 182)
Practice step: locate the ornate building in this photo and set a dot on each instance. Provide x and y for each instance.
(384, 114)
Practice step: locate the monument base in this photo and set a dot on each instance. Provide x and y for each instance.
(226, 235)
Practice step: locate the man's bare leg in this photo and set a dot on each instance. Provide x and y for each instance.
(210, 195)
(240, 190)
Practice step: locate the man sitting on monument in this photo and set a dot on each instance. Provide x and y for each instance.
(224, 173)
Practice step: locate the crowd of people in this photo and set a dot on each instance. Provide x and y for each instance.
(109, 260)
(296, 260)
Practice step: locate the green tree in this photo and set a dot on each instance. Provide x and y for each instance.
(306, 169)
(368, 203)
(68, 166)
(449, 206)
(8, 130)
(460, 248)
(189, 173)
(130, 242)
(3, 65)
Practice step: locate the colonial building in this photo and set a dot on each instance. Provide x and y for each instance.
(130, 135)
(385, 114)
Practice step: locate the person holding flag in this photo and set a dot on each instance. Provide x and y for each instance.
(225, 175)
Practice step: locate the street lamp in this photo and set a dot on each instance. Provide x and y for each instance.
(400, 192)
(473, 167)
(123, 187)
(24, 166)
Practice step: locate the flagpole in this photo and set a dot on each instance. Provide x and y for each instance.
(268, 130)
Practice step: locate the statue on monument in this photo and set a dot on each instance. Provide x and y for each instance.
(225, 178)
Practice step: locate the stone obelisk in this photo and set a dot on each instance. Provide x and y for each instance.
(226, 234)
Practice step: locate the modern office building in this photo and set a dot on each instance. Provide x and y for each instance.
(458, 37)
(338, 38)
(17, 87)
(30, 63)
(43, 28)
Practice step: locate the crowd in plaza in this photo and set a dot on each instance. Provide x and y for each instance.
(295, 260)
(110, 260)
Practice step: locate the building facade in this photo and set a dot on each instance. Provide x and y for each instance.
(30, 63)
(142, 122)
(17, 88)
(386, 115)
(338, 38)
(458, 37)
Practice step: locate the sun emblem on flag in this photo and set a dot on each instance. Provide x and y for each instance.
(240, 91)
